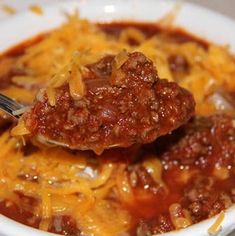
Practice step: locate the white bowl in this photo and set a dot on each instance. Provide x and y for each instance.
(200, 21)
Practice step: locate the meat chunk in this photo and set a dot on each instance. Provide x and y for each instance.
(205, 142)
(161, 224)
(124, 103)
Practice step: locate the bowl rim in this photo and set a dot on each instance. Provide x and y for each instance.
(29, 25)
(200, 228)
(220, 26)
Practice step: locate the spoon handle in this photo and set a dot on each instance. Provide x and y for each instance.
(10, 106)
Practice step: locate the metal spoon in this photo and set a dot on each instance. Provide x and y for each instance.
(11, 107)
(15, 109)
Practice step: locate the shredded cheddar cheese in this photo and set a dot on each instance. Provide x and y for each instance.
(180, 217)
(217, 224)
(60, 184)
(8, 9)
(20, 129)
(36, 9)
(76, 84)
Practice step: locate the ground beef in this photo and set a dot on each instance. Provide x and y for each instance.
(203, 200)
(140, 178)
(8, 70)
(122, 106)
(178, 63)
(179, 66)
(64, 225)
(204, 142)
(161, 224)
(200, 147)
